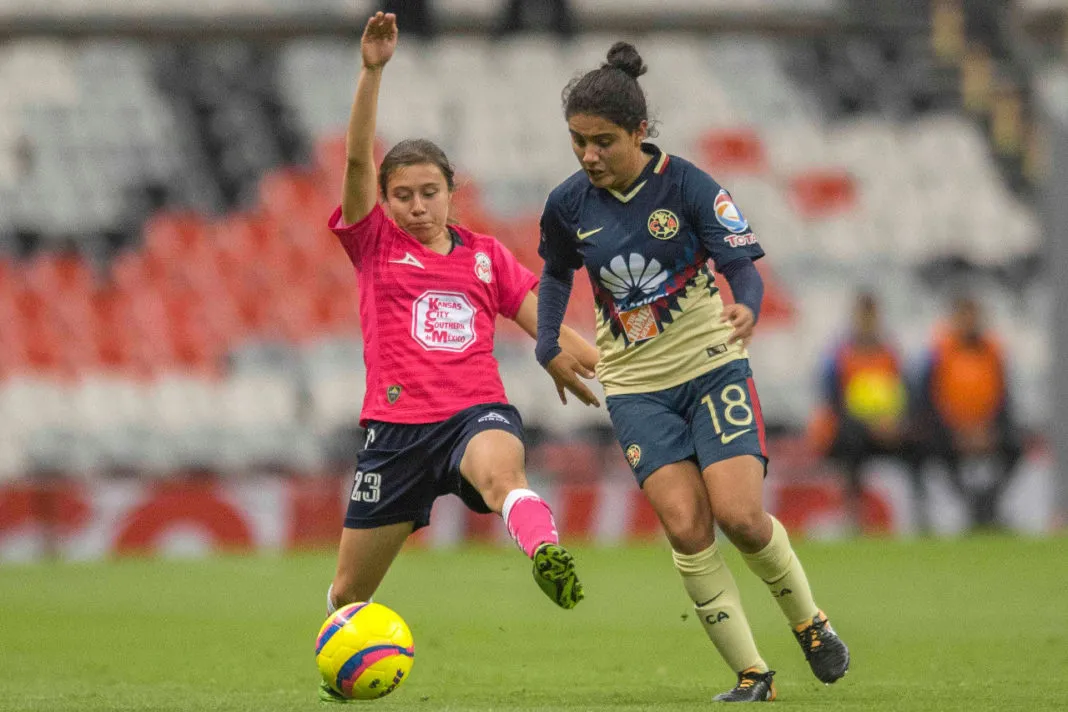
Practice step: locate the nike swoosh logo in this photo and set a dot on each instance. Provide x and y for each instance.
(583, 235)
(408, 260)
(724, 438)
(702, 604)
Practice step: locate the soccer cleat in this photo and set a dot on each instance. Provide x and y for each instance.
(753, 686)
(327, 694)
(825, 652)
(554, 571)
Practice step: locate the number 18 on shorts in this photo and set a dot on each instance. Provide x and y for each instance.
(711, 418)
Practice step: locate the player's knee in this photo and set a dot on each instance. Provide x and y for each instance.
(495, 486)
(689, 529)
(747, 528)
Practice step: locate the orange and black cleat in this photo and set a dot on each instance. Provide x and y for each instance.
(753, 686)
(825, 652)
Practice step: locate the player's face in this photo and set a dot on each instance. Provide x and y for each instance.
(418, 197)
(966, 319)
(611, 156)
(866, 322)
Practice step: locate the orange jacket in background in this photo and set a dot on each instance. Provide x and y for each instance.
(965, 382)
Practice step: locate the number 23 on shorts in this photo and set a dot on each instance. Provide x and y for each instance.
(733, 409)
(367, 487)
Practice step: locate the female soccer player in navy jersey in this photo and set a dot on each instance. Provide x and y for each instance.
(435, 412)
(673, 361)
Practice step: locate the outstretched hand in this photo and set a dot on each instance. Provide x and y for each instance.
(379, 40)
(565, 370)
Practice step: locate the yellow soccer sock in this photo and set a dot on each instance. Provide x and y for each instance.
(719, 607)
(777, 566)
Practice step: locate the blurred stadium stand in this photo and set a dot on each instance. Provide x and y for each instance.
(171, 301)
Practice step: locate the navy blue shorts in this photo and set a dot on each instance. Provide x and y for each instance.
(403, 468)
(711, 418)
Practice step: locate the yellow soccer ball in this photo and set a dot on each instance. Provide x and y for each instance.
(364, 651)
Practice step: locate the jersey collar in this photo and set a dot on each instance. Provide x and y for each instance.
(656, 166)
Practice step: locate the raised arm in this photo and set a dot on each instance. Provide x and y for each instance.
(359, 189)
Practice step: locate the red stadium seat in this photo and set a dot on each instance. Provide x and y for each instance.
(336, 301)
(733, 151)
(823, 193)
(252, 306)
(9, 271)
(335, 265)
(73, 315)
(134, 269)
(115, 340)
(200, 274)
(244, 235)
(10, 341)
(320, 307)
(194, 348)
(175, 235)
(291, 195)
(43, 350)
(295, 268)
(229, 266)
(58, 273)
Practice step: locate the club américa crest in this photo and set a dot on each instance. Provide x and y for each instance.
(634, 454)
(393, 393)
(663, 224)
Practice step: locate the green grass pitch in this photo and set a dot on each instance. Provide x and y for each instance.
(966, 624)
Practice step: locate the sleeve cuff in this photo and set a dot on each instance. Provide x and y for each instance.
(544, 356)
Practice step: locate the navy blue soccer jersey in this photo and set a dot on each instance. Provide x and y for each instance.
(647, 253)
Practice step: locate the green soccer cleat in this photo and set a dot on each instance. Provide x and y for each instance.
(554, 571)
(327, 694)
(753, 686)
(825, 652)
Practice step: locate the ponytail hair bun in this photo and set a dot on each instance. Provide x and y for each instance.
(625, 57)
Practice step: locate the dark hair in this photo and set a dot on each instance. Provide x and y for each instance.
(965, 300)
(413, 152)
(867, 301)
(611, 91)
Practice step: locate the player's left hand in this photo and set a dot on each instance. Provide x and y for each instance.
(565, 370)
(741, 318)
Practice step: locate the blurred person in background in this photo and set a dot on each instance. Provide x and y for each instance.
(964, 409)
(674, 365)
(863, 412)
(435, 411)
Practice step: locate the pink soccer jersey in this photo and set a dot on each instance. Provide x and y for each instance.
(428, 319)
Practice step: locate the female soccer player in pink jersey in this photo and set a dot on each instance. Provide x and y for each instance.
(435, 411)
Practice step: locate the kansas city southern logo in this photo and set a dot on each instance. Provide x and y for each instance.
(392, 394)
(663, 225)
(634, 454)
(443, 321)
